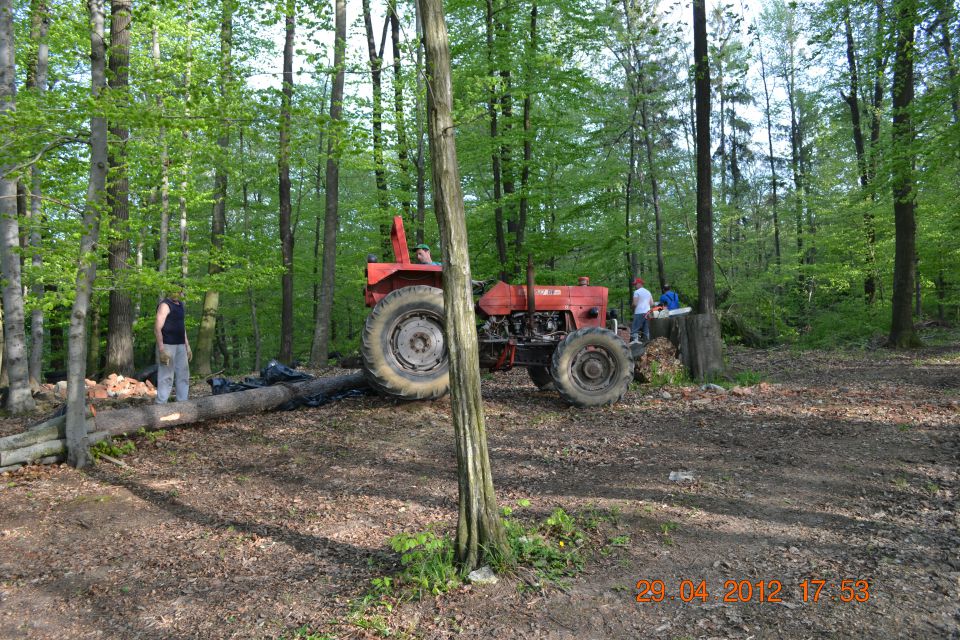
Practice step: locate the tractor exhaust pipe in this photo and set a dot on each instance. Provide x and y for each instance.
(531, 298)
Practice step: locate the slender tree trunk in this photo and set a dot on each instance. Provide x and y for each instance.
(403, 154)
(185, 172)
(19, 398)
(774, 201)
(163, 242)
(218, 224)
(494, 146)
(331, 223)
(654, 184)
(254, 324)
(78, 451)
(420, 108)
(283, 162)
(479, 529)
(37, 81)
(946, 16)
(902, 333)
(376, 67)
(527, 133)
(120, 318)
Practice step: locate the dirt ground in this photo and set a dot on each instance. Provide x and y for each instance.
(840, 466)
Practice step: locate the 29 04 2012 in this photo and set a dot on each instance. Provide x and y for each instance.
(811, 590)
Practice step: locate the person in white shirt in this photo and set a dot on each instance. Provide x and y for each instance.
(642, 302)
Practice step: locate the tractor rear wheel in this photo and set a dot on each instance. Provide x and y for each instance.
(542, 378)
(592, 367)
(404, 349)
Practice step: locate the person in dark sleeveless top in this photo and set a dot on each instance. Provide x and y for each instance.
(173, 347)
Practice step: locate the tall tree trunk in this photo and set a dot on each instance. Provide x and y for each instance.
(492, 101)
(120, 318)
(654, 184)
(185, 172)
(902, 333)
(37, 81)
(479, 529)
(773, 165)
(163, 242)
(376, 68)
(705, 281)
(946, 16)
(420, 108)
(853, 101)
(19, 398)
(283, 162)
(531, 54)
(403, 154)
(331, 223)
(218, 224)
(78, 451)
(252, 299)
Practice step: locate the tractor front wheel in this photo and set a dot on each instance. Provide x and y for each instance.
(404, 349)
(592, 367)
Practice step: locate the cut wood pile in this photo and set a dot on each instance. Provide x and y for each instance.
(659, 358)
(46, 442)
(113, 386)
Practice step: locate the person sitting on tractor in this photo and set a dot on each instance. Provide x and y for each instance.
(423, 254)
(670, 299)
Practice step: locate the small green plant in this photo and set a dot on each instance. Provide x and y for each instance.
(932, 488)
(620, 541)
(902, 428)
(748, 378)
(152, 436)
(666, 528)
(427, 562)
(113, 449)
(305, 633)
(660, 378)
(900, 482)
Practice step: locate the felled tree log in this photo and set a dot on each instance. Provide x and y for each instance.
(160, 416)
(46, 440)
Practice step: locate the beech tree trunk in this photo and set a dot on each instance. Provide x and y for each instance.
(19, 398)
(902, 333)
(331, 223)
(218, 224)
(376, 68)
(495, 154)
(403, 154)
(78, 451)
(480, 532)
(283, 162)
(120, 318)
(703, 353)
(37, 81)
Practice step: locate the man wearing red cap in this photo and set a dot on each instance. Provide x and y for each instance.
(642, 301)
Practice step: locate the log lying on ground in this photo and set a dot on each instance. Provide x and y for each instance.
(47, 439)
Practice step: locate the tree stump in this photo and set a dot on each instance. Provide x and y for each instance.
(700, 345)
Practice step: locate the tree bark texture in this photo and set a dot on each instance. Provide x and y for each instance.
(120, 318)
(479, 529)
(376, 69)
(37, 81)
(528, 134)
(495, 154)
(902, 333)
(283, 163)
(218, 223)
(78, 453)
(403, 153)
(700, 345)
(19, 398)
(331, 222)
(705, 279)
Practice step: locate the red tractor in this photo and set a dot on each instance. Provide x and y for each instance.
(556, 332)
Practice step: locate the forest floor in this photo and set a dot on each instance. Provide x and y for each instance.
(839, 466)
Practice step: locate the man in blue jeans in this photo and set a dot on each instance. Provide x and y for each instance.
(173, 348)
(642, 302)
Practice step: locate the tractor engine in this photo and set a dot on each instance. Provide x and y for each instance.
(516, 325)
